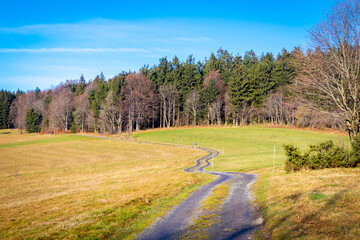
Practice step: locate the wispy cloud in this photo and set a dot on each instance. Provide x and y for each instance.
(97, 26)
(71, 50)
(32, 55)
(193, 39)
(110, 32)
(162, 50)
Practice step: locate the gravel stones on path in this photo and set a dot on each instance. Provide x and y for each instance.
(237, 216)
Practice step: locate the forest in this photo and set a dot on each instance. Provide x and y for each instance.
(221, 90)
(317, 87)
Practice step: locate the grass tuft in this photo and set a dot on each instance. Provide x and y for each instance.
(317, 196)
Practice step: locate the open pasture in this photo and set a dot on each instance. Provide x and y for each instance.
(70, 186)
(246, 147)
(322, 204)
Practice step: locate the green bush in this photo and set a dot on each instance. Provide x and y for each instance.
(73, 127)
(323, 155)
(356, 148)
(295, 161)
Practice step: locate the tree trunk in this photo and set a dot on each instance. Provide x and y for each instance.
(218, 117)
(120, 124)
(174, 112)
(66, 123)
(82, 126)
(168, 120)
(137, 126)
(153, 118)
(164, 115)
(161, 110)
(353, 128)
(130, 121)
(194, 120)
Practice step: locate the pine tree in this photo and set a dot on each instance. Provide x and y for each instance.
(284, 71)
(191, 78)
(33, 121)
(6, 98)
(80, 87)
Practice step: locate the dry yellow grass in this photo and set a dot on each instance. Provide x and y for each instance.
(322, 204)
(11, 136)
(89, 188)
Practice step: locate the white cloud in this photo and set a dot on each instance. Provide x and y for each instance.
(193, 39)
(162, 50)
(71, 50)
(110, 32)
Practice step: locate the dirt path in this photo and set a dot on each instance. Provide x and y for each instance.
(238, 219)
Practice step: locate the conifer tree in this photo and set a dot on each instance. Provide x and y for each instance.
(33, 121)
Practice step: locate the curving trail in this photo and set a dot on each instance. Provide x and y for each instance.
(238, 218)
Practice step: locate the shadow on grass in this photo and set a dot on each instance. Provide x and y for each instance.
(240, 233)
(294, 197)
(297, 230)
(5, 132)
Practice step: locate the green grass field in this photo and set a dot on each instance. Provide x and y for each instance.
(320, 204)
(76, 187)
(248, 147)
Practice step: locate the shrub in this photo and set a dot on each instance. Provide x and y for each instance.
(73, 127)
(356, 149)
(323, 155)
(295, 161)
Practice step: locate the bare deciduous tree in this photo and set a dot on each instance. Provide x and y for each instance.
(214, 90)
(192, 105)
(215, 111)
(110, 114)
(329, 77)
(20, 106)
(289, 112)
(274, 106)
(139, 96)
(61, 107)
(169, 97)
(81, 112)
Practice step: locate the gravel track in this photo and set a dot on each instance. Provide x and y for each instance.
(239, 220)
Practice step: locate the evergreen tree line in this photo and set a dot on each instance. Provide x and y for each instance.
(224, 89)
(6, 99)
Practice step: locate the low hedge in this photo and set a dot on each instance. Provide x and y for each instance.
(323, 155)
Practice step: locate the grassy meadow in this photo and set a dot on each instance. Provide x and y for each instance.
(76, 187)
(70, 186)
(243, 148)
(321, 204)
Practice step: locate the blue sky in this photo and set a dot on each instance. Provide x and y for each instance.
(43, 43)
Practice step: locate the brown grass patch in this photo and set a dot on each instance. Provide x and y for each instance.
(96, 188)
(12, 136)
(321, 204)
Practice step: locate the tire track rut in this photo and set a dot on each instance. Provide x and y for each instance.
(239, 219)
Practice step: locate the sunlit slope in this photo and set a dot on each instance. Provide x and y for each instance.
(248, 147)
(69, 186)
